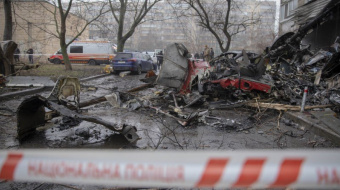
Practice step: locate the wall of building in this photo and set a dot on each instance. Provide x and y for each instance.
(323, 35)
(34, 27)
(286, 25)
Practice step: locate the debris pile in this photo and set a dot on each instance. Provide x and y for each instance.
(190, 89)
(304, 68)
(277, 79)
(280, 76)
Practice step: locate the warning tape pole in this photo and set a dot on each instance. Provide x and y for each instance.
(318, 169)
(35, 54)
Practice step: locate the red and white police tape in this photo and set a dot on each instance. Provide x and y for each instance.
(224, 169)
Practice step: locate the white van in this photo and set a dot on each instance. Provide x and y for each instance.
(91, 52)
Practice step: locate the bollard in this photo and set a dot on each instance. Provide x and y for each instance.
(305, 91)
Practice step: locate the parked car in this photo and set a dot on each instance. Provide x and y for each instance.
(91, 52)
(133, 61)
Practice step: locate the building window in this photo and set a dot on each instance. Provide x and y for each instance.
(286, 9)
(76, 49)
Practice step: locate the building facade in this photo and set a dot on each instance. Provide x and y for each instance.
(287, 8)
(257, 36)
(298, 13)
(34, 27)
(165, 24)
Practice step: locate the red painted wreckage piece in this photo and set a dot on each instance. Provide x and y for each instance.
(244, 84)
(179, 72)
(196, 69)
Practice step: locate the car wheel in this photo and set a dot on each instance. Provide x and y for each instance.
(139, 70)
(92, 62)
(57, 61)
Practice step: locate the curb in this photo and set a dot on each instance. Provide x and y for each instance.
(305, 119)
(94, 77)
(10, 95)
(43, 88)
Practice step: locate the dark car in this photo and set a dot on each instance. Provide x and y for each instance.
(132, 61)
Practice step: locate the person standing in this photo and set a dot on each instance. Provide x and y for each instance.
(212, 53)
(160, 59)
(16, 55)
(197, 56)
(30, 55)
(206, 53)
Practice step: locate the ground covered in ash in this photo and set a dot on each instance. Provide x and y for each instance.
(227, 129)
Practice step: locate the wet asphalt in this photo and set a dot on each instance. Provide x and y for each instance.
(239, 128)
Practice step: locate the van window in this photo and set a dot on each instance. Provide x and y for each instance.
(136, 55)
(76, 49)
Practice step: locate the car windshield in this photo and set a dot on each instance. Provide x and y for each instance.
(123, 56)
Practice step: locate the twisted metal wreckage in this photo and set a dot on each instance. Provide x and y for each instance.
(278, 76)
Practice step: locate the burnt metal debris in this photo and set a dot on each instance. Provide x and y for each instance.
(65, 87)
(31, 114)
(2, 80)
(275, 79)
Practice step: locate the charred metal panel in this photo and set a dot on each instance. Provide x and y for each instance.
(30, 115)
(175, 66)
(196, 71)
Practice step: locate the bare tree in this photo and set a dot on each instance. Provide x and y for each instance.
(7, 59)
(134, 10)
(60, 24)
(6, 56)
(50, 20)
(218, 17)
(263, 33)
(8, 20)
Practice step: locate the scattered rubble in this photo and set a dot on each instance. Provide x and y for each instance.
(31, 114)
(2, 80)
(68, 122)
(275, 80)
(254, 81)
